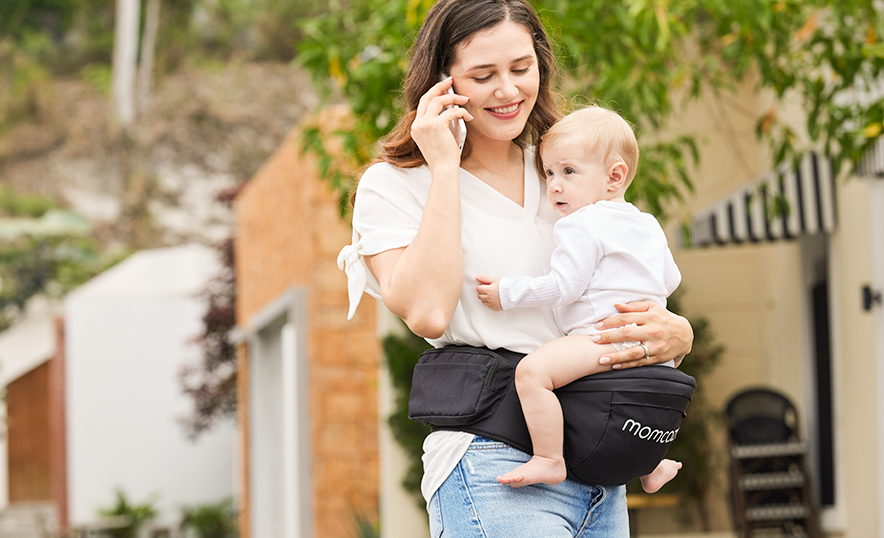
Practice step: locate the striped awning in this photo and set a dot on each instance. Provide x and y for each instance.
(872, 163)
(785, 203)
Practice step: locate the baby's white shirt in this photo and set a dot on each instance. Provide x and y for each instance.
(606, 253)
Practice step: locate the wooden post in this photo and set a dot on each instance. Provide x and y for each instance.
(58, 428)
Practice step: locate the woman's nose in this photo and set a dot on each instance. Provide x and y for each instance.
(507, 89)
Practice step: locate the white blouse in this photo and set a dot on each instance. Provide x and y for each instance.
(500, 238)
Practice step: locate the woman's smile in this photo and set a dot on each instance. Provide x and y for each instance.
(506, 112)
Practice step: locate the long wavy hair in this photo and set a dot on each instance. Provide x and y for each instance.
(449, 23)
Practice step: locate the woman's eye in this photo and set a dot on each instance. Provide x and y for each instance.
(521, 71)
(482, 79)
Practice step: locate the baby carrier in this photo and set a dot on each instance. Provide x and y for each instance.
(618, 424)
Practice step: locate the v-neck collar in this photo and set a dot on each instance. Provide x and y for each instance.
(530, 190)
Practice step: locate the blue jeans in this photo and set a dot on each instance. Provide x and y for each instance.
(472, 504)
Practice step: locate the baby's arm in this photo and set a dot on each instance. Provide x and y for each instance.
(577, 254)
(489, 292)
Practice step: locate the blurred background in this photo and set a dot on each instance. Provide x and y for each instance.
(174, 185)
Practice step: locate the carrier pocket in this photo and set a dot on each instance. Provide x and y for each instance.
(458, 386)
(623, 432)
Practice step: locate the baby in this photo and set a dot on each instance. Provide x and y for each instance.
(607, 252)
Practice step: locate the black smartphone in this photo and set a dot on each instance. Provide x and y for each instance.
(458, 127)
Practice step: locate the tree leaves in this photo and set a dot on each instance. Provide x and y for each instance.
(644, 58)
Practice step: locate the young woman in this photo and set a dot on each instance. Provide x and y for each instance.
(428, 219)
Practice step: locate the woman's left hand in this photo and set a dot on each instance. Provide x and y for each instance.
(666, 335)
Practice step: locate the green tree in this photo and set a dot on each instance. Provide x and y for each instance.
(644, 58)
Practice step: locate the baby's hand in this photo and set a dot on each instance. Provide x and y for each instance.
(489, 292)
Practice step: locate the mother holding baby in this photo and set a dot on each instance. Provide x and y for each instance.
(428, 219)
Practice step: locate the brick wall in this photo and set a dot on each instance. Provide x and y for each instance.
(288, 233)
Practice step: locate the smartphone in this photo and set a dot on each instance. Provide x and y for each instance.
(458, 127)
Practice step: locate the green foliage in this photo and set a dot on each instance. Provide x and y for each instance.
(46, 264)
(330, 167)
(213, 520)
(364, 526)
(813, 51)
(401, 354)
(359, 50)
(23, 81)
(49, 266)
(643, 58)
(18, 17)
(74, 34)
(15, 204)
(136, 516)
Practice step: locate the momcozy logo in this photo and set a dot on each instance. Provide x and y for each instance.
(647, 433)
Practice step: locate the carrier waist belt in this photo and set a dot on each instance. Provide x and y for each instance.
(618, 424)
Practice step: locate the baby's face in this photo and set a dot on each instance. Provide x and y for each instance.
(573, 179)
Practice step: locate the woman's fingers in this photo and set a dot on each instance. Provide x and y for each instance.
(437, 98)
(630, 358)
(637, 312)
(666, 336)
(435, 90)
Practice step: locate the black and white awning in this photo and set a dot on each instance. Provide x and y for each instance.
(783, 204)
(872, 163)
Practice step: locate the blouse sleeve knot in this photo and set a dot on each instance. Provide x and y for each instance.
(349, 261)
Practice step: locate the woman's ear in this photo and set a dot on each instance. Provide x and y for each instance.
(617, 176)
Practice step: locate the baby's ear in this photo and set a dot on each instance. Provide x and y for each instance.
(617, 175)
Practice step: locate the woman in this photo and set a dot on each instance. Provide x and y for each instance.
(427, 220)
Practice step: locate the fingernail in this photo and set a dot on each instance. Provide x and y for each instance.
(617, 366)
(604, 360)
(595, 337)
(599, 325)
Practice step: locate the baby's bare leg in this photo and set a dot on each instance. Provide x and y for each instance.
(665, 471)
(551, 366)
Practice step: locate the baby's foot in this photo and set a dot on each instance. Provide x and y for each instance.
(665, 471)
(538, 470)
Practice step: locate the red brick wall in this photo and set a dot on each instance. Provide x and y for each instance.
(288, 233)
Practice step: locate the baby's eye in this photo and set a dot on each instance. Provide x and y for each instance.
(568, 170)
(549, 173)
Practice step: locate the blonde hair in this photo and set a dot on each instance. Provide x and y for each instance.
(599, 132)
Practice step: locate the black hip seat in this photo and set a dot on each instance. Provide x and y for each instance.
(618, 424)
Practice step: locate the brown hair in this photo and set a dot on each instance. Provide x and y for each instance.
(449, 23)
(598, 132)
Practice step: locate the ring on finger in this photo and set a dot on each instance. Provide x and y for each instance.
(646, 350)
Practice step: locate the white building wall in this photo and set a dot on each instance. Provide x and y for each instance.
(128, 334)
(854, 369)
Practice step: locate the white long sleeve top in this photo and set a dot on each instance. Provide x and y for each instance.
(606, 253)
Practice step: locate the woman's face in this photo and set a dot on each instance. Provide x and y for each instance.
(497, 69)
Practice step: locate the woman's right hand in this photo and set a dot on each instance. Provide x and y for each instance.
(421, 283)
(430, 128)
